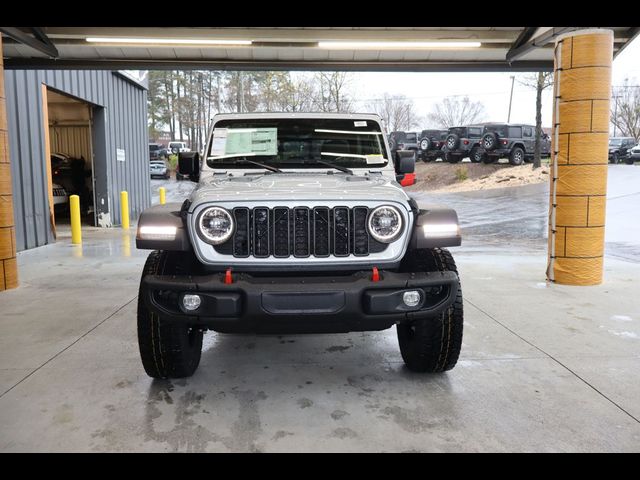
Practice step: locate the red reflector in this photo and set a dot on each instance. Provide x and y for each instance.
(409, 179)
(228, 279)
(375, 275)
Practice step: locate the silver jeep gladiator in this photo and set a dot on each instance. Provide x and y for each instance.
(297, 225)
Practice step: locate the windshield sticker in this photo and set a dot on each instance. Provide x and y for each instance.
(256, 141)
(374, 159)
(219, 142)
(360, 123)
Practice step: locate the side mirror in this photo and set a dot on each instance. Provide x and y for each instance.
(189, 165)
(405, 161)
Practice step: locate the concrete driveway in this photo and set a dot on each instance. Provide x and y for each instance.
(543, 367)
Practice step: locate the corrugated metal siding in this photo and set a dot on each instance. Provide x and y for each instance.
(74, 141)
(125, 126)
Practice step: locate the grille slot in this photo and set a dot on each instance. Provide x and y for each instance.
(360, 234)
(302, 232)
(261, 232)
(321, 244)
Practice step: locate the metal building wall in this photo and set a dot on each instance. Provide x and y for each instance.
(120, 121)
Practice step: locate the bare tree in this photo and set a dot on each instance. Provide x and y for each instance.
(332, 93)
(455, 111)
(397, 112)
(540, 81)
(625, 110)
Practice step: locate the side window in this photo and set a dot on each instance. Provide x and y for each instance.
(475, 133)
(515, 132)
(527, 132)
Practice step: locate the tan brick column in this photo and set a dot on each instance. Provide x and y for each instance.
(582, 93)
(8, 265)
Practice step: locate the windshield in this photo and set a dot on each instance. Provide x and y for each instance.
(295, 142)
(616, 142)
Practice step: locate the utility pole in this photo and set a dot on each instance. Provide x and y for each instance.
(513, 79)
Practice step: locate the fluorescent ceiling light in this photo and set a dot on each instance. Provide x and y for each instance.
(167, 41)
(397, 45)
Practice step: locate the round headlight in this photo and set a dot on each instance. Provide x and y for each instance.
(215, 225)
(385, 223)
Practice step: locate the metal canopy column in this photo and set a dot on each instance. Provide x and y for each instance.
(582, 94)
(8, 264)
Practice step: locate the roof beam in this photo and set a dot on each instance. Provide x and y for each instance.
(523, 38)
(39, 41)
(224, 64)
(632, 33)
(515, 53)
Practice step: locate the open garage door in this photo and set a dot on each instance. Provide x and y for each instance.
(71, 155)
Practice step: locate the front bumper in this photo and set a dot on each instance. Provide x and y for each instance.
(299, 304)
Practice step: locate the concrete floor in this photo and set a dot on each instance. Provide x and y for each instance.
(543, 367)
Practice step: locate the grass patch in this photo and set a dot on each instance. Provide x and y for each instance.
(461, 173)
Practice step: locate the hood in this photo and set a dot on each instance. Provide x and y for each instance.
(297, 187)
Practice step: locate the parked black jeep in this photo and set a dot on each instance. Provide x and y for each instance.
(400, 140)
(462, 142)
(430, 144)
(515, 142)
(620, 149)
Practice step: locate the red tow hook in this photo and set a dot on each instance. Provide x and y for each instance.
(228, 279)
(408, 180)
(375, 275)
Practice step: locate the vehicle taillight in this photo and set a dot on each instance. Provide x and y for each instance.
(466, 142)
(504, 142)
(401, 145)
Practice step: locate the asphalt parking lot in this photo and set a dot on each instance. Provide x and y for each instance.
(543, 367)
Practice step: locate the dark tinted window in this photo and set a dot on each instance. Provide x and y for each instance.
(527, 131)
(515, 132)
(411, 138)
(475, 132)
(501, 130)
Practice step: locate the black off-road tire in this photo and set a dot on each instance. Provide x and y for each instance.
(517, 156)
(452, 141)
(629, 161)
(477, 155)
(432, 344)
(614, 158)
(167, 350)
(451, 158)
(489, 141)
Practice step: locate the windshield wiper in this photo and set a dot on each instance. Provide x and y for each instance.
(333, 165)
(271, 168)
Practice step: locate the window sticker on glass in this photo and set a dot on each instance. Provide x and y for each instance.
(360, 123)
(374, 159)
(219, 142)
(255, 141)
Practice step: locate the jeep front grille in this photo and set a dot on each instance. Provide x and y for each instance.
(301, 232)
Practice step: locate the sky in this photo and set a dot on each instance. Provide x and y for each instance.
(492, 89)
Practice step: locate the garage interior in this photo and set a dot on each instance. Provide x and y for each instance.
(544, 366)
(70, 142)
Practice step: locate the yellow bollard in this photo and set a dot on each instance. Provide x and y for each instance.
(76, 230)
(163, 194)
(124, 209)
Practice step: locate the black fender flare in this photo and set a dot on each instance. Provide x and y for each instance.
(167, 215)
(431, 214)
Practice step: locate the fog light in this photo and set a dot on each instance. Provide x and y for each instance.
(191, 302)
(411, 298)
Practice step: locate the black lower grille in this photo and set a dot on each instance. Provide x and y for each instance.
(300, 232)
